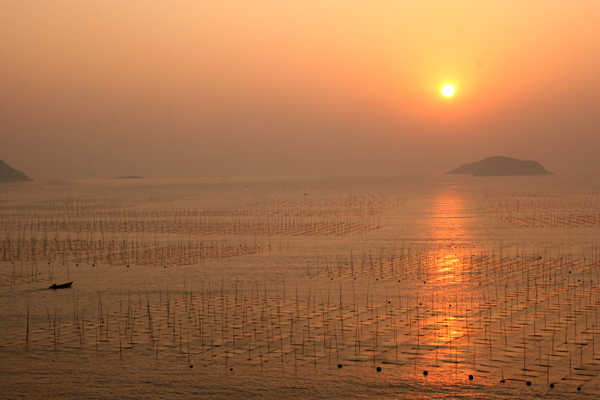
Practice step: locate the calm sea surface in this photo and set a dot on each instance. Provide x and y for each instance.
(407, 287)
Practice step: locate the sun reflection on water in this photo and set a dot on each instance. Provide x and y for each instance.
(447, 220)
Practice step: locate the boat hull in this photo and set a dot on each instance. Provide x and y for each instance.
(61, 286)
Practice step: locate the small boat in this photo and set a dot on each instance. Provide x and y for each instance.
(61, 286)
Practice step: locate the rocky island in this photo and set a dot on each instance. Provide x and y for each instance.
(501, 166)
(9, 174)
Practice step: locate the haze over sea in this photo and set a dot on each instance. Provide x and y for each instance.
(301, 288)
(293, 235)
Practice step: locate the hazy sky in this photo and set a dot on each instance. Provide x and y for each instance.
(99, 89)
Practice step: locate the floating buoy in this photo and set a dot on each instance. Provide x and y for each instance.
(470, 377)
(425, 373)
(378, 369)
(528, 383)
(231, 369)
(552, 385)
(578, 387)
(339, 365)
(191, 366)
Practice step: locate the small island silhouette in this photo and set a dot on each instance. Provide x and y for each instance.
(501, 166)
(9, 174)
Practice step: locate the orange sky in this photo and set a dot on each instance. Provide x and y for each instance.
(98, 89)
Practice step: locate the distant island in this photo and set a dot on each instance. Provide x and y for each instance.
(501, 166)
(131, 177)
(9, 174)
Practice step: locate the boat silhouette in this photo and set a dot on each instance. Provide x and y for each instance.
(61, 286)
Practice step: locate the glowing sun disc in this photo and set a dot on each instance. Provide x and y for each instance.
(448, 90)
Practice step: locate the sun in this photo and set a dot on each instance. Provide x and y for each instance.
(448, 90)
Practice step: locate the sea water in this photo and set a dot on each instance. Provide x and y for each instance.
(413, 286)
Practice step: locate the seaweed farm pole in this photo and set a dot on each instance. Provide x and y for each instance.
(396, 338)
(570, 360)
(27, 328)
(212, 354)
(180, 351)
(375, 335)
(120, 345)
(58, 333)
(48, 314)
(281, 343)
(524, 350)
(341, 313)
(132, 327)
(157, 339)
(418, 334)
(261, 357)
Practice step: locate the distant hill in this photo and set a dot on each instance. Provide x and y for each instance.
(501, 166)
(9, 174)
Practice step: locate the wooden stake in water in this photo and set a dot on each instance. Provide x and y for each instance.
(120, 345)
(157, 339)
(27, 329)
(261, 357)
